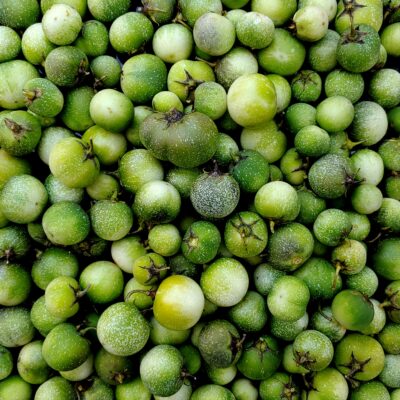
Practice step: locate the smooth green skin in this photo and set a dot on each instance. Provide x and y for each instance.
(15, 74)
(230, 276)
(178, 303)
(277, 201)
(320, 277)
(251, 100)
(130, 31)
(50, 136)
(183, 178)
(20, 132)
(143, 76)
(217, 343)
(311, 23)
(379, 320)
(388, 150)
(370, 13)
(322, 54)
(251, 170)
(279, 11)
(310, 206)
(361, 347)
(11, 44)
(312, 141)
(350, 256)
(114, 324)
(56, 387)
(335, 113)
(332, 226)
(299, 115)
(182, 84)
(355, 55)
(366, 199)
(81, 372)
(191, 13)
(283, 91)
(15, 284)
(106, 71)
(201, 242)
(6, 362)
(369, 166)
(149, 269)
(212, 391)
(65, 65)
(111, 110)
(313, 350)
(159, 11)
(327, 176)
(106, 10)
(366, 281)
(392, 187)
(288, 330)
(388, 214)
(284, 56)
(132, 390)
(61, 297)
(392, 300)
(111, 220)
(288, 298)
(103, 280)
(221, 376)
(324, 322)
(66, 223)
(23, 199)
(76, 113)
(306, 86)
(14, 242)
(289, 247)
(113, 369)
(142, 296)
(105, 187)
(267, 139)
(289, 363)
(61, 24)
(384, 87)
(42, 319)
(79, 5)
(276, 386)
(20, 15)
(250, 314)
(11, 166)
(125, 251)
(210, 99)
(43, 97)
(389, 339)
(390, 39)
(186, 140)
(390, 376)
(292, 167)
(172, 43)
(215, 195)
(191, 358)
(165, 239)
(343, 83)
(372, 391)
(260, 358)
(245, 234)
(328, 384)
(93, 39)
(16, 328)
(386, 258)
(57, 191)
(72, 162)
(255, 30)
(35, 45)
(214, 34)
(161, 369)
(97, 390)
(51, 263)
(180, 265)
(31, 365)
(227, 150)
(14, 387)
(138, 167)
(370, 123)
(157, 201)
(352, 310)
(159, 334)
(165, 101)
(237, 62)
